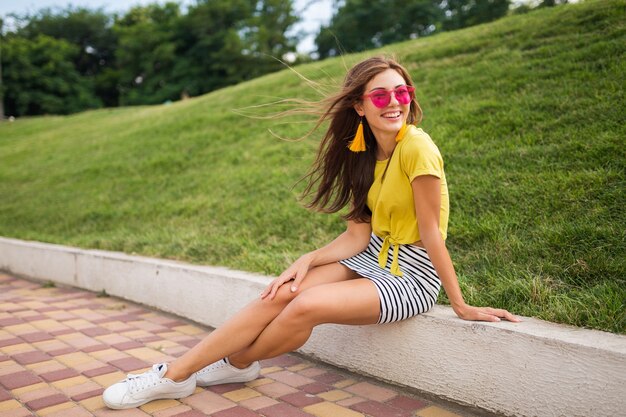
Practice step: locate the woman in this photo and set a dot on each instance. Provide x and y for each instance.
(387, 266)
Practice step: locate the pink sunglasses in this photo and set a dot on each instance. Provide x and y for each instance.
(382, 98)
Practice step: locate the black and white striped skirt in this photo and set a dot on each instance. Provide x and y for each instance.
(402, 297)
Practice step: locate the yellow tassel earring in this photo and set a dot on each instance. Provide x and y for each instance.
(358, 143)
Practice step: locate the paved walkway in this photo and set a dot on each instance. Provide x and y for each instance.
(60, 347)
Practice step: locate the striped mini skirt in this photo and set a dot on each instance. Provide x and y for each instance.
(402, 297)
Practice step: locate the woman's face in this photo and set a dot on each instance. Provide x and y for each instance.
(385, 122)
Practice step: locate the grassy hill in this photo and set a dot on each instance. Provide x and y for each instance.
(528, 113)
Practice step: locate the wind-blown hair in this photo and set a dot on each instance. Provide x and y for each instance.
(339, 176)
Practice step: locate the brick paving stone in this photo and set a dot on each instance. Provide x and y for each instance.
(94, 348)
(17, 412)
(44, 412)
(316, 388)
(89, 394)
(62, 351)
(80, 388)
(236, 412)
(300, 399)
(329, 378)
(377, 409)
(348, 402)
(131, 344)
(327, 409)
(18, 380)
(190, 413)
(258, 402)
(276, 389)
(11, 368)
(95, 331)
(241, 394)
(37, 393)
(334, 395)
(35, 317)
(223, 388)
(170, 412)
(46, 402)
(407, 403)
(61, 332)
(71, 412)
(31, 357)
(284, 410)
(282, 361)
(99, 371)
(189, 343)
(10, 321)
(129, 364)
(158, 405)
(208, 402)
(10, 342)
(371, 391)
(312, 372)
(131, 412)
(45, 367)
(58, 375)
(435, 411)
(109, 379)
(4, 395)
(291, 378)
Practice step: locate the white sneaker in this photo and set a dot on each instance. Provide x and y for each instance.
(137, 390)
(222, 372)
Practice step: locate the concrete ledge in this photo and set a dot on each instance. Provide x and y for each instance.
(534, 368)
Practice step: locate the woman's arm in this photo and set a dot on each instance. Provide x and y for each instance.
(354, 240)
(427, 196)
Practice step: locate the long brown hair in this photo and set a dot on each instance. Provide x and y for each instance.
(339, 176)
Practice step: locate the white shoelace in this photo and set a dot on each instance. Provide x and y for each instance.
(139, 382)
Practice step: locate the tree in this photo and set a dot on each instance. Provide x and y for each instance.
(359, 25)
(91, 32)
(464, 13)
(147, 53)
(266, 40)
(1, 86)
(40, 77)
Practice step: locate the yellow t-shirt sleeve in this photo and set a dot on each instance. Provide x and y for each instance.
(420, 156)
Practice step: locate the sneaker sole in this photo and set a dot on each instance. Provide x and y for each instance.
(136, 404)
(231, 380)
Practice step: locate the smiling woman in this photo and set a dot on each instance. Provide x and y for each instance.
(387, 266)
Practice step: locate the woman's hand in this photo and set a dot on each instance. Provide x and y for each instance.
(468, 312)
(296, 272)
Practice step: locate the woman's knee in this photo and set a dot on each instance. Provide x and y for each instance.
(283, 296)
(302, 309)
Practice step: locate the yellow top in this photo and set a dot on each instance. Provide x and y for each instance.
(390, 199)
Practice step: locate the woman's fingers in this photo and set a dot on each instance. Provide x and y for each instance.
(298, 278)
(488, 314)
(501, 314)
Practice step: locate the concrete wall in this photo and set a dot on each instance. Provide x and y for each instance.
(534, 368)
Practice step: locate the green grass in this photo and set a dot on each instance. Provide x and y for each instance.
(528, 112)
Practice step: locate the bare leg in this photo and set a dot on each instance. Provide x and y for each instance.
(241, 330)
(348, 302)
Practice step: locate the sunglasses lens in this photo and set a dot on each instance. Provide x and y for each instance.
(381, 99)
(402, 95)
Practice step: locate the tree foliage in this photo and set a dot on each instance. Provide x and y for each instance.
(39, 77)
(359, 25)
(66, 60)
(148, 55)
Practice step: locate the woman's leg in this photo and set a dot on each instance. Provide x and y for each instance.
(242, 330)
(348, 302)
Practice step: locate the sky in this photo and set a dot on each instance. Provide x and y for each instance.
(316, 15)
